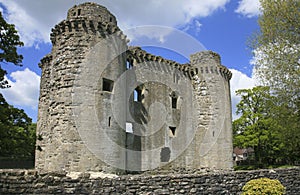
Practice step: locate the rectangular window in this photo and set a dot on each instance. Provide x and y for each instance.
(137, 95)
(129, 128)
(128, 65)
(174, 102)
(107, 85)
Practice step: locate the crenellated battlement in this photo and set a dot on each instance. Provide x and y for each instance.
(139, 56)
(103, 29)
(209, 62)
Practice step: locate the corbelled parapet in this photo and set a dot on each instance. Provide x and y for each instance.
(140, 56)
(88, 18)
(206, 59)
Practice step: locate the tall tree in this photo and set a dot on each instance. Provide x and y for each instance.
(17, 132)
(277, 48)
(277, 64)
(9, 41)
(256, 127)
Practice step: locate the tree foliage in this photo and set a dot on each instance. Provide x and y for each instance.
(267, 126)
(277, 53)
(256, 128)
(17, 132)
(9, 41)
(277, 64)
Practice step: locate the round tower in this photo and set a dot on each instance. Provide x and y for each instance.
(87, 57)
(212, 114)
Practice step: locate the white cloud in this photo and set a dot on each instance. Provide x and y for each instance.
(34, 19)
(238, 81)
(248, 8)
(24, 90)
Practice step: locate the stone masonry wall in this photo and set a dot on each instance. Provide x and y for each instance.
(34, 182)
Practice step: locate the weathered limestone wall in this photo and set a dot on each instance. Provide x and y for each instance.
(34, 182)
(182, 118)
(213, 111)
(60, 144)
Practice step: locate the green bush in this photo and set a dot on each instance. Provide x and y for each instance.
(263, 186)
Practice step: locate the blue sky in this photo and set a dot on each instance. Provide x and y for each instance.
(223, 26)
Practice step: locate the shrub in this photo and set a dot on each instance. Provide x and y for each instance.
(263, 186)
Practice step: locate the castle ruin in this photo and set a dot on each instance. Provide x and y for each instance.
(106, 106)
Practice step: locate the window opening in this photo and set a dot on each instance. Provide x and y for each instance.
(128, 65)
(107, 85)
(137, 95)
(174, 102)
(110, 19)
(172, 131)
(129, 128)
(109, 120)
(78, 12)
(165, 154)
(175, 77)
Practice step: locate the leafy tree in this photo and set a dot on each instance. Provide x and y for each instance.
(256, 127)
(276, 49)
(17, 138)
(289, 128)
(9, 40)
(17, 132)
(277, 64)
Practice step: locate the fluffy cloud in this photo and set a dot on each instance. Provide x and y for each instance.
(239, 81)
(248, 8)
(24, 90)
(34, 19)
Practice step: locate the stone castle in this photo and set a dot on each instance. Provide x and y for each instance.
(106, 106)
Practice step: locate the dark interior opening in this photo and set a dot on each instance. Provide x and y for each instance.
(174, 102)
(172, 131)
(107, 85)
(109, 120)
